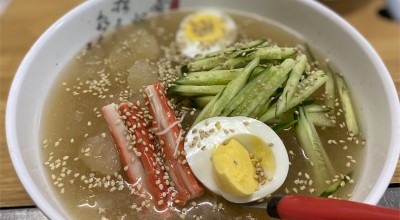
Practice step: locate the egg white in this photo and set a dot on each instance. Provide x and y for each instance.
(191, 48)
(199, 157)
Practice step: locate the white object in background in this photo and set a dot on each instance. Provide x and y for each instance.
(393, 7)
(3, 6)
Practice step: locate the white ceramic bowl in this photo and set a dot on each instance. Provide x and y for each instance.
(370, 82)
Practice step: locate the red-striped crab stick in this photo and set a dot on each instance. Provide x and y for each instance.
(170, 134)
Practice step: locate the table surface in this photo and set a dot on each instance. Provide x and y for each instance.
(23, 22)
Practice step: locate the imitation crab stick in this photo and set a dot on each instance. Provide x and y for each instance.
(170, 133)
(144, 147)
(136, 173)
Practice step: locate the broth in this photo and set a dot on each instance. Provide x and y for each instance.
(98, 76)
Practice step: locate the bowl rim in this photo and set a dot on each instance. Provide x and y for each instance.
(22, 172)
(12, 141)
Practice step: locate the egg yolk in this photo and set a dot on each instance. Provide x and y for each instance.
(234, 169)
(204, 28)
(264, 154)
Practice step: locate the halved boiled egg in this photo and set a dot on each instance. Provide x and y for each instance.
(239, 158)
(205, 31)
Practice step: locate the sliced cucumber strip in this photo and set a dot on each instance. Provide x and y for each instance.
(202, 101)
(349, 116)
(334, 187)
(189, 90)
(330, 90)
(311, 144)
(291, 84)
(216, 77)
